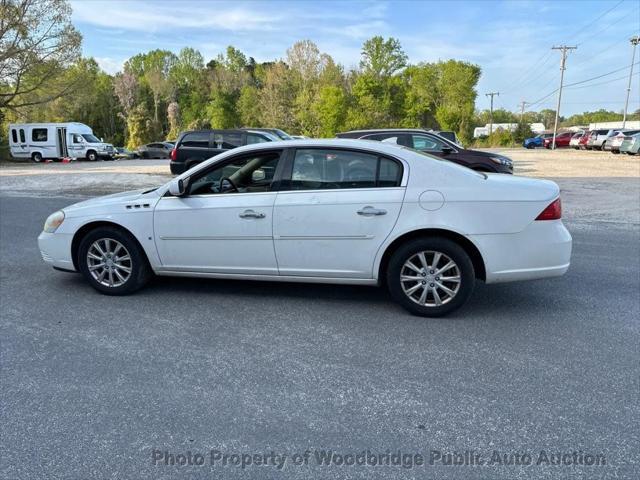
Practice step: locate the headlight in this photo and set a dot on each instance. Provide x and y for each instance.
(54, 220)
(502, 161)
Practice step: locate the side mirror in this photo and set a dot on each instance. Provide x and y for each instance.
(177, 187)
(101, 139)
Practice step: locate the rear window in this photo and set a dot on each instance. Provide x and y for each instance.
(196, 139)
(14, 136)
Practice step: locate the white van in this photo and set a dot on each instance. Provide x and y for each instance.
(38, 141)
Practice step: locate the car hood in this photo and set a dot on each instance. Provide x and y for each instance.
(92, 205)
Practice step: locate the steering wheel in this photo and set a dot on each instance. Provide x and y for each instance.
(233, 188)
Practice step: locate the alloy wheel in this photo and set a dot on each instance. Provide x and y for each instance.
(430, 278)
(109, 262)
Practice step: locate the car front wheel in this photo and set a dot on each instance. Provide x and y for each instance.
(431, 277)
(112, 261)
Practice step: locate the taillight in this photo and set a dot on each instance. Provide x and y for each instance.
(552, 212)
(173, 154)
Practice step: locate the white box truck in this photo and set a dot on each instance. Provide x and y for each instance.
(56, 141)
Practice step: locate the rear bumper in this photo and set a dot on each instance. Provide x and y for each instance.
(541, 250)
(55, 249)
(177, 167)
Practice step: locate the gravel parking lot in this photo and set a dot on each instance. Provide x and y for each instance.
(92, 385)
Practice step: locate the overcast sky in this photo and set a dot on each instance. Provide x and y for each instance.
(510, 40)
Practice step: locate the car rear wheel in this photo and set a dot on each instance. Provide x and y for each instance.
(430, 277)
(112, 261)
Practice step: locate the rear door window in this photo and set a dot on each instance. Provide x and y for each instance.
(328, 169)
(427, 143)
(227, 140)
(256, 138)
(14, 135)
(196, 140)
(23, 138)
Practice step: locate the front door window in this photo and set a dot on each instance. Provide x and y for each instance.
(254, 173)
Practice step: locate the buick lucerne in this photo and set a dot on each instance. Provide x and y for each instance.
(328, 211)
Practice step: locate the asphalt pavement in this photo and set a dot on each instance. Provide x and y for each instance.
(270, 376)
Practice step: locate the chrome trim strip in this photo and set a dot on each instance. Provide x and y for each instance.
(218, 238)
(324, 237)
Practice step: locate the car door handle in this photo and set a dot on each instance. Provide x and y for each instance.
(369, 211)
(251, 214)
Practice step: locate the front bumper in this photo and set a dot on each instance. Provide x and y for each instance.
(541, 250)
(55, 249)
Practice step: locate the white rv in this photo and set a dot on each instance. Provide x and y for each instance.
(38, 141)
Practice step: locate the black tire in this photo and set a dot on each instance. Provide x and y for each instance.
(437, 244)
(92, 156)
(37, 157)
(140, 269)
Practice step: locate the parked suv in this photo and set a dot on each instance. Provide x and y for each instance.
(196, 146)
(598, 138)
(433, 144)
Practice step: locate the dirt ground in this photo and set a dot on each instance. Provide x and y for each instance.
(597, 187)
(572, 163)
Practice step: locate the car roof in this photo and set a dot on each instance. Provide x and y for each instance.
(386, 130)
(374, 146)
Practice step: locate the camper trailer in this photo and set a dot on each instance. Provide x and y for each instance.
(56, 141)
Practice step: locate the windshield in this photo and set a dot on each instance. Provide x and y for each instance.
(445, 160)
(90, 138)
(281, 134)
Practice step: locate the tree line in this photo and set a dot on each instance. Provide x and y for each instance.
(158, 94)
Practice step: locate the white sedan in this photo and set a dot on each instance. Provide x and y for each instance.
(329, 211)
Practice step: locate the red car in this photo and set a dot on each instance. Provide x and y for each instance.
(582, 144)
(562, 140)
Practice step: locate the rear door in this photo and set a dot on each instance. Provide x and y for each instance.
(334, 210)
(18, 148)
(195, 147)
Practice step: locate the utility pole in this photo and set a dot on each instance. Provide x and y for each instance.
(564, 49)
(522, 105)
(491, 94)
(634, 41)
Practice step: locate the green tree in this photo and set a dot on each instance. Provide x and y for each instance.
(140, 126)
(381, 57)
(37, 43)
(420, 101)
(455, 105)
(330, 109)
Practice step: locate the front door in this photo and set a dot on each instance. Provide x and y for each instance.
(338, 208)
(61, 142)
(224, 222)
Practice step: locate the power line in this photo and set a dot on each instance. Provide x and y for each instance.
(599, 76)
(595, 20)
(602, 83)
(596, 34)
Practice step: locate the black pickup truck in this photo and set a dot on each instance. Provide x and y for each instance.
(195, 146)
